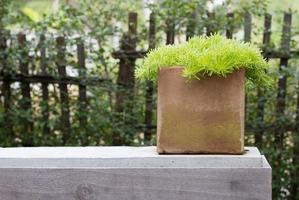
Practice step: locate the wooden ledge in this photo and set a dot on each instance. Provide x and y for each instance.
(121, 157)
(127, 173)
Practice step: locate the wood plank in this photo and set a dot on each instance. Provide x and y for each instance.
(267, 30)
(25, 103)
(269, 53)
(45, 90)
(191, 26)
(39, 78)
(211, 29)
(282, 81)
(149, 85)
(127, 65)
(127, 173)
(247, 27)
(6, 88)
(170, 31)
(126, 80)
(121, 157)
(261, 100)
(230, 25)
(82, 99)
(247, 38)
(125, 184)
(279, 136)
(64, 97)
(129, 54)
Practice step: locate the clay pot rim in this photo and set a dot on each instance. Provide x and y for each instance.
(178, 67)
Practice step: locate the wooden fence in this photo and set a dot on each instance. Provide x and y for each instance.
(44, 78)
(127, 56)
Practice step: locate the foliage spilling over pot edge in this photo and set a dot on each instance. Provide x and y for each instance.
(201, 56)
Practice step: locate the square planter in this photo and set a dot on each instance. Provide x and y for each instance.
(200, 116)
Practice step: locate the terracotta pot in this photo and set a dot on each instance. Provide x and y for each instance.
(200, 116)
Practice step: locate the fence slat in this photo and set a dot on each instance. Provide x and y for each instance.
(281, 97)
(38, 78)
(25, 103)
(190, 30)
(247, 38)
(170, 31)
(247, 27)
(126, 65)
(64, 97)
(6, 89)
(261, 91)
(282, 81)
(126, 78)
(45, 90)
(82, 91)
(149, 85)
(267, 30)
(211, 26)
(230, 25)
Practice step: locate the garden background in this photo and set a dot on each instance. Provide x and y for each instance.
(67, 72)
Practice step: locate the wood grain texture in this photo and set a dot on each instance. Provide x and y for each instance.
(135, 184)
(25, 103)
(82, 99)
(45, 90)
(130, 173)
(64, 96)
(149, 101)
(121, 157)
(6, 86)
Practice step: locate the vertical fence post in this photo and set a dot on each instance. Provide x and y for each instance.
(6, 89)
(230, 25)
(281, 96)
(267, 30)
(149, 84)
(190, 30)
(25, 89)
(170, 31)
(64, 97)
(247, 38)
(126, 78)
(247, 27)
(261, 91)
(45, 90)
(282, 81)
(211, 26)
(82, 90)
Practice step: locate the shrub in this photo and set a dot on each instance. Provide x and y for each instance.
(201, 56)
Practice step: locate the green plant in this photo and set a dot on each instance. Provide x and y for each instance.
(201, 56)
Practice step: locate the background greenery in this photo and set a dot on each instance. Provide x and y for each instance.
(101, 23)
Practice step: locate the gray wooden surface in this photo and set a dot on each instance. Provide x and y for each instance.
(120, 157)
(132, 183)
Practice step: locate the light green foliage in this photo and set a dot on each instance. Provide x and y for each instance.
(201, 56)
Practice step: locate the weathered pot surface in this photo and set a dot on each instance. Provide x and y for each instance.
(200, 116)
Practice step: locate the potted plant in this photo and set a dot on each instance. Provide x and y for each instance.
(201, 93)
